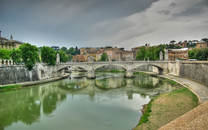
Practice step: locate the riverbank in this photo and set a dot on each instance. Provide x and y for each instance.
(200, 90)
(167, 107)
(24, 84)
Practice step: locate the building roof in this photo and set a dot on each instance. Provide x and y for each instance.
(202, 41)
(3, 38)
(182, 49)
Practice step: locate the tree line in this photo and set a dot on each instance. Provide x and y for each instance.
(150, 53)
(29, 55)
(199, 54)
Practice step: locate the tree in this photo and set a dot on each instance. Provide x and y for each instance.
(104, 57)
(199, 54)
(63, 56)
(70, 57)
(48, 55)
(64, 49)
(141, 53)
(71, 51)
(4, 54)
(16, 55)
(29, 55)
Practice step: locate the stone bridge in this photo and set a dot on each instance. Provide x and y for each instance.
(163, 67)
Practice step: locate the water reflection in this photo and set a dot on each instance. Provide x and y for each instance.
(28, 105)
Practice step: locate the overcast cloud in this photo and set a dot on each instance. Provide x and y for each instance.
(95, 23)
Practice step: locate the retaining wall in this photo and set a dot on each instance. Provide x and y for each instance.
(17, 74)
(196, 70)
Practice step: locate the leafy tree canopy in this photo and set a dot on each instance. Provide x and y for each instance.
(63, 56)
(48, 55)
(104, 57)
(4, 54)
(29, 55)
(16, 55)
(64, 49)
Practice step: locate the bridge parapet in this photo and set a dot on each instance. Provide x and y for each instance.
(162, 66)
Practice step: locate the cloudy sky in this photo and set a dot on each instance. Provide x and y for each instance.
(95, 23)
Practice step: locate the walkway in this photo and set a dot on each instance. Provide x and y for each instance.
(196, 118)
(199, 89)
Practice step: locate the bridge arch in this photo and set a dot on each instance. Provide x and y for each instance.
(160, 69)
(71, 66)
(120, 66)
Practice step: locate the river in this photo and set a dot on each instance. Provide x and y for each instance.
(109, 102)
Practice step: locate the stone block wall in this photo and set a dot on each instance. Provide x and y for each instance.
(196, 70)
(17, 74)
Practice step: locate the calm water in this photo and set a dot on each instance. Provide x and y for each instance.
(108, 102)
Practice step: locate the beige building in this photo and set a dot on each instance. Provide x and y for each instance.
(201, 44)
(124, 56)
(9, 43)
(180, 54)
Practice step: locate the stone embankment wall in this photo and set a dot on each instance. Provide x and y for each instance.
(17, 74)
(196, 70)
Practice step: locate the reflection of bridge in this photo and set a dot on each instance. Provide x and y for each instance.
(163, 67)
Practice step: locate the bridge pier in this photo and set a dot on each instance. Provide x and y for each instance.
(129, 74)
(91, 74)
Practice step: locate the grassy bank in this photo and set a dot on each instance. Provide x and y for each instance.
(112, 71)
(7, 87)
(167, 107)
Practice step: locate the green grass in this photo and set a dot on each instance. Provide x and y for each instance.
(171, 82)
(9, 87)
(112, 71)
(187, 92)
(140, 73)
(146, 114)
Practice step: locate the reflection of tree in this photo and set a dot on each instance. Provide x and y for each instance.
(146, 81)
(110, 83)
(25, 104)
(49, 103)
(18, 106)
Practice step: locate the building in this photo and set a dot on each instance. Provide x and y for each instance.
(9, 43)
(124, 56)
(178, 54)
(78, 58)
(185, 44)
(201, 44)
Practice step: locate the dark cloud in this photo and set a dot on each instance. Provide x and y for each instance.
(166, 12)
(172, 5)
(94, 22)
(196, 9)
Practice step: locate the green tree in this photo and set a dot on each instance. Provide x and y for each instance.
(4, 54)
(71, 51)
(29, 55)
(70, 57)
(63, 56)
(104, 57)
(141, 54)
(64, 49)
(48, 55)
(199, 54)
(16, 55)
